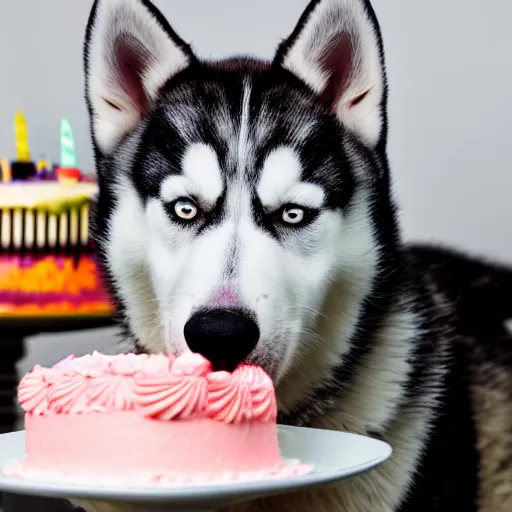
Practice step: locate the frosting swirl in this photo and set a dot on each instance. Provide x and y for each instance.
(246, 394)
(264, 405)
(69, 394)
(159, 386)
(179, 395)
(111, 392)
(170, 397)
(33, 391)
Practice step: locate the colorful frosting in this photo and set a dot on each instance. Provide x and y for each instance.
(51, 285)
(49, 196)
(47, 267)
(159, 387)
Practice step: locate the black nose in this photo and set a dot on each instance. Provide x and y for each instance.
(224, 337)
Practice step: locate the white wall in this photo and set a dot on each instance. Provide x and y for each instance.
(450, 77)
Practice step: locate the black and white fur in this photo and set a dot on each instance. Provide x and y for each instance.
(204, 169)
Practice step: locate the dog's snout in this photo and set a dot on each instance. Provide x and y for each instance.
(225, 337)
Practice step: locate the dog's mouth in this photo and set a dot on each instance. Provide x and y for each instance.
(224, 365)
(229, 364)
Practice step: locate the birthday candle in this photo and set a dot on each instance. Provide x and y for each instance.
(43, 165)
(5, 231)
(41, 229)
(67, 145)
(6, 170)
(84, 228)
(21, 136)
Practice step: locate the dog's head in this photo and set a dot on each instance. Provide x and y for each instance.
(244, 207)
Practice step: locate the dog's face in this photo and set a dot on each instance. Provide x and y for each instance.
(239, 200)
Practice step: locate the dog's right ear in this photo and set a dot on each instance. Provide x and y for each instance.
(130, 52)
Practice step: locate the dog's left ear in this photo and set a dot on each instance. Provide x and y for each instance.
(336, 49)
(130, 52)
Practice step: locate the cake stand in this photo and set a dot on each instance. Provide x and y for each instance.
(334, 456)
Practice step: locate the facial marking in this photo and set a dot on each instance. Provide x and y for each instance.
(202, 176)
(280, 182)
(281, 171)
(243, 136)
(305, 194)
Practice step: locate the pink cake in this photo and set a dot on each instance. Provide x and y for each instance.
(149, 420)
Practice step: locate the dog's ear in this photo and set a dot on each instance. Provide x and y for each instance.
(336, 49)
(130, 52)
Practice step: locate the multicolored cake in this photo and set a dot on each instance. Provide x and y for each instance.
(47, 264)
(149, 420)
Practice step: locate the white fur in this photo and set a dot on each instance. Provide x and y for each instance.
(328, 19)
(308, 195)
(280, 182)
(127, 257)
(243, 146)
(115, 18)
(352, 268)
(281, 171)
(372, 401)
(201, 177)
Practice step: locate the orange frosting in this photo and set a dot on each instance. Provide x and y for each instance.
(46, 276)
(62, 308)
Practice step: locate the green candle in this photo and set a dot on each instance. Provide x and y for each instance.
(67, 145)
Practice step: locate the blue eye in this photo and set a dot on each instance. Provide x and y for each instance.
(185, 209)
(293, 215)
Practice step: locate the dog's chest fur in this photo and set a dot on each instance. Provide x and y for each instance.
(452, 439)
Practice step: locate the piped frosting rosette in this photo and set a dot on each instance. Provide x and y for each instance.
(180, 394)
(246, 394)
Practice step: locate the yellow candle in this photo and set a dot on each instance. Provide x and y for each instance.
(6, 170)
(21, 136)
(44, 165)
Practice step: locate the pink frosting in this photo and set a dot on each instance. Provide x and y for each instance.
(247, 394)
(33, 391)
(97, 449)
(169, 397)
(158, 386)
(111, 393)
(69, 393)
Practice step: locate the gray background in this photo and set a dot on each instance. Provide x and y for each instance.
(450, 104)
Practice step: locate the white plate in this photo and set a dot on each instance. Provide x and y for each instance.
(334, 455)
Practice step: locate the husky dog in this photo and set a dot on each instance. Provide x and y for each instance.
(245, 211)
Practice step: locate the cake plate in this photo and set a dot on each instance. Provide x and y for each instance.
(334, 456)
